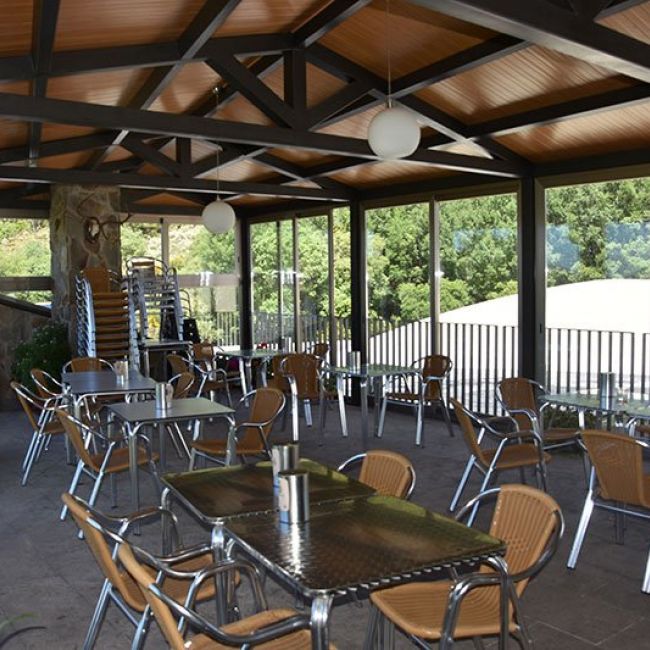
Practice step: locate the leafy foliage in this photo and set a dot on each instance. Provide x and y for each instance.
(47, 350)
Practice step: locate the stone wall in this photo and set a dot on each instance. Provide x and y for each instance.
(15, 327)
(84, 231)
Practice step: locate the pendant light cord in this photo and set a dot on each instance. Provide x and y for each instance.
(216, 110)
(389, 99)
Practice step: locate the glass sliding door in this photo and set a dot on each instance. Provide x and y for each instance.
(477, 326)
(399, 326)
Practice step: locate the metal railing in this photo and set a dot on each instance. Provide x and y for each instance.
(482, 354)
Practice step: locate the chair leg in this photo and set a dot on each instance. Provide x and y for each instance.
(308, 418)
(30, 450)
(192, 460)
(382, 417)
(98, 616)
(142, 629)
(484, 486)
(645, 588)
(95, 491)
(461, 484)
(419, 423)
(73, 486)
(581, 530)
(181, 440)
(445, 414)
(33, 456)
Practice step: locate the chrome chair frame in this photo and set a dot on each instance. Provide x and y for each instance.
(505, 439)
(44, 388)
(40, 439)
(357, 459)
(592, 501)
(117, 530)
(208, 374)
(175, 434)
(67, 366)
(423, 386)
(233, 433)
(463, 585)
(535, 420)
(89, 434)
(188, 616)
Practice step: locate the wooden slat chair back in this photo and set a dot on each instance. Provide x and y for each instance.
(388, 472)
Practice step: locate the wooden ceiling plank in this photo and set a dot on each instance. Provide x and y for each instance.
(46, 14)
(552, 27)
(325, 21)
(573, 108)
(58, 147)
(211, 16)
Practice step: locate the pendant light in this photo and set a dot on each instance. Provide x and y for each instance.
(218, 216)
(394, 133)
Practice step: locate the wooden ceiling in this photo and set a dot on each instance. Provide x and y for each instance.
(123, 92)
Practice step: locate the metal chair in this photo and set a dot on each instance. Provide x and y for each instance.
(485, 603)
(40, 415)
(250, 436)
(114, 460)
(320, 350)
(389, 473)
(520, 396)
(86, 364)
(46, 385)
(119, 587)
(279, 629)
(623, 487)
(516, 450)
(210, 381)
(210, 356)
(418, 391)
(182, 384)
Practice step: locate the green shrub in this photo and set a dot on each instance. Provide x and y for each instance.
(47, 350)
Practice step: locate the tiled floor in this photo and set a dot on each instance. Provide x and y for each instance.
(45, 571)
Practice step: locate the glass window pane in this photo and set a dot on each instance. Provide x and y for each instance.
(478, 294)
(264, 262)
(398, 283)
(598, 283)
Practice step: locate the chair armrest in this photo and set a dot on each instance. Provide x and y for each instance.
(350, 462)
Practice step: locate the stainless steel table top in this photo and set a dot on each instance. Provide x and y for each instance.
(634, 407)
(371, 370)
(189, 408)
(104, 382)
(219, 492)
(260, 353)
(359, 544)
(163, 344)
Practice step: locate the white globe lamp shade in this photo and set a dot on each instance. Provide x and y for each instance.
(394, 133)
(218, 217)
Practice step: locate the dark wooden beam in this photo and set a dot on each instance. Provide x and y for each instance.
(339, 103)
(239, 77)
(573, 108)
(151, 155)
(58, 147)
(45, 16)
(166, 183)
(324, 21)
(129, 119)
(295, 86)
(625, 158)
(550, 26)
(184, 156)
(211, 16)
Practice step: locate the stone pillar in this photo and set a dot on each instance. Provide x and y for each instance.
(84, 231)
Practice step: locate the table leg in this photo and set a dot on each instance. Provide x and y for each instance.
(243, 376)
(218, 542)
(340, 390)
(320, 612)
(147, 366)
(377, 386)
(166, 503)
(132, 432)
(363, 389)
(161, 429)
(321, 415)
(231, 445)
(295, 427)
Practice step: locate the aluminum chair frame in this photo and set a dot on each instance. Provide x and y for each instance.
(423, 387)
(40, 439)
(358, 459)
(536, 419)
(117, 530)
(88, 435)
(213, 374)
(234, 432)
(189, 617)
(506, 439)
(463, 585)
(68, 365)
(593, 501)
(44, 390)
(173, 429)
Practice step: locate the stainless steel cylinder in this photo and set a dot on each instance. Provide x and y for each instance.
(284, 457)
(606, 389)
(161, 396)
(294, 496)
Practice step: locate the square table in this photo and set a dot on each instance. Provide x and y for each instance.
(351, 547)
(135, 415)
(77, 386)
(372, 374)
(245, 359)
(146, 346)
(634, 409)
